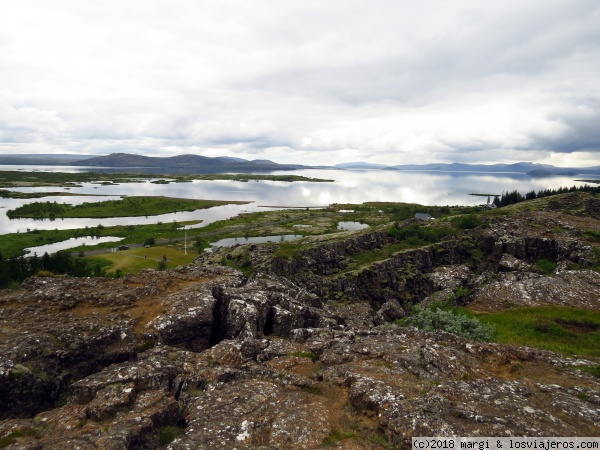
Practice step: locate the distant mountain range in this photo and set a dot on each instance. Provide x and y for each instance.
(204, 164)
(528, 168)
(175, 164)
(195, 163)
(40, 159)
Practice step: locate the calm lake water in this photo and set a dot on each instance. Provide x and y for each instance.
(352, 226)
(230, 242)
(350, 186)
(71, 243)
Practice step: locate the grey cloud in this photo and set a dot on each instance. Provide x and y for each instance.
(385, 80)
(581, 134)
(533, 40)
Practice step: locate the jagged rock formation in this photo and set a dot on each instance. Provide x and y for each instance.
(202, 357)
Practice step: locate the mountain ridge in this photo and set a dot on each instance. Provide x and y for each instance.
(233, 164)
(197, 162)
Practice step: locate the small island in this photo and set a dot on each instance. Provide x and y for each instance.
(17, 178)
(127, 207)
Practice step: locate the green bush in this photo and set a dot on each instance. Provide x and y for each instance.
(467, 222)
(546, 266)
(167, 434)
(439, 319)
(416, 234)
(200, 244)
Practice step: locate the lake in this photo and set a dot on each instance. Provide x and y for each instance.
(350, 186)
(70, 243)
(230, 242)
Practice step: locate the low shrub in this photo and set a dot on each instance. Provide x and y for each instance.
(416, 234)
(467, 222)
(451, 322)
(546, 266)
(167, 434)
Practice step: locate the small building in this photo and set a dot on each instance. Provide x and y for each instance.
(490, 205)
(424, 216)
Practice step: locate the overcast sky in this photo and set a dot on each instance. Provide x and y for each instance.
(309, 82)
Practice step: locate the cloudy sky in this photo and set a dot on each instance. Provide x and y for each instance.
(310, 82)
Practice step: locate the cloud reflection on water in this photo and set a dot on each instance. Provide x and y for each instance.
(427, 188)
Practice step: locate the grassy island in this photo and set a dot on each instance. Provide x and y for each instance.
(26, 195)
(127, 207)
(18, 178)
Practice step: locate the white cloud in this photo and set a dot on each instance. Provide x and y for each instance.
(308, 82)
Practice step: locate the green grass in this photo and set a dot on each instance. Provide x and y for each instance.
(546, 266)
(134, 260)
(592, 370)
(312, 356)
(10, 438)
(288, 250)
(402, 211)
(13, 244)
(243, 263)
(312, 389)
(167, 434)
(566, 330)
(263, 223)
(336, 436)
(466, 222)
(417, 235)
(366, 258)
(592, 235)
(596, 260)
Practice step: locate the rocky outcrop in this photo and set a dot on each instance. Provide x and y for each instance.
(61, 330)
(509, 244)
(326, 273)
(383, 385)
(303, 355)
(578, 288)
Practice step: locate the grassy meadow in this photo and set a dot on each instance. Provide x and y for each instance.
(12, 244)
(566, 330)
(136, 259)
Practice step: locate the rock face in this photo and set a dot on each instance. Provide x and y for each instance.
(323, 270)
(497, 262)
(203, 358)
(64, 329)
(385, 385)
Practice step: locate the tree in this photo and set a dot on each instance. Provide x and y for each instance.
(200, 245)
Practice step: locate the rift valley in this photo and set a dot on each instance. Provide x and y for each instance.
(316, 343)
